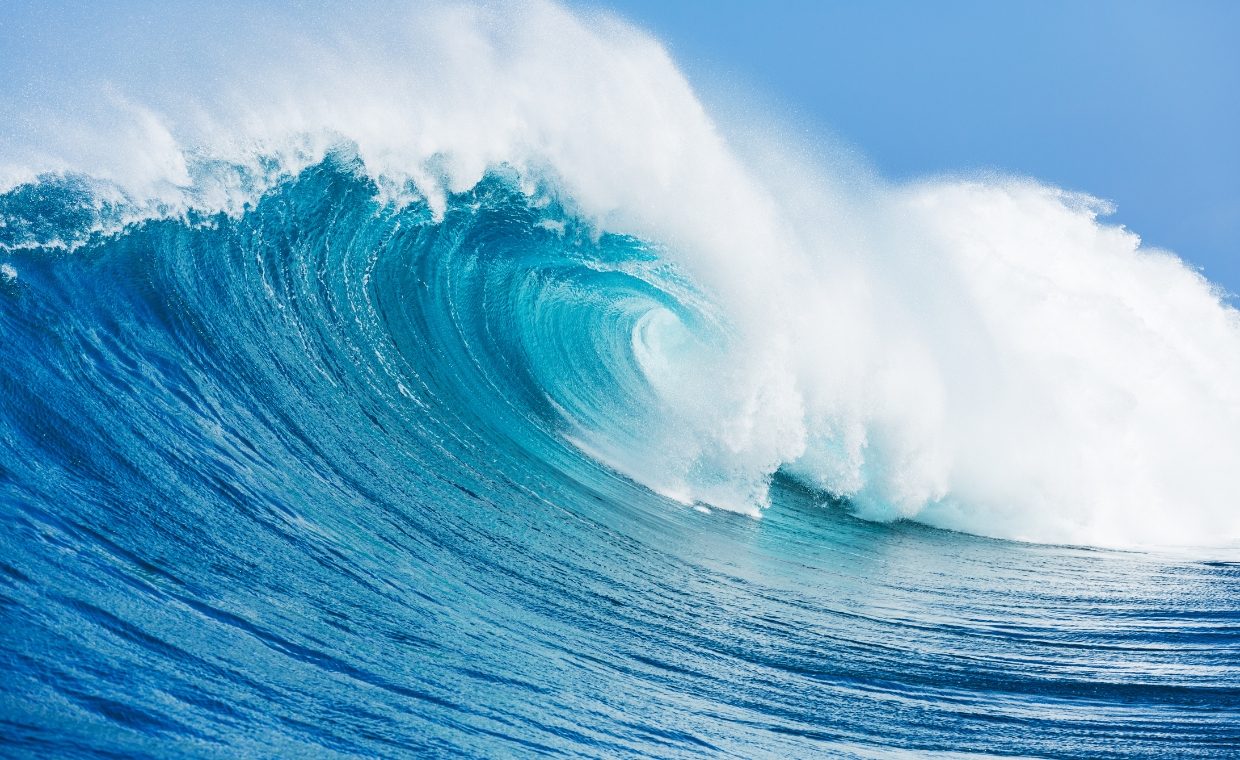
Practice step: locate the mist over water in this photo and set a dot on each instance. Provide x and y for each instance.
(984, 354)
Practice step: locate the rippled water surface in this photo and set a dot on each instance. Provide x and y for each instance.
(304, 483)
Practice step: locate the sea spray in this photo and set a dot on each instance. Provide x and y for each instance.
(983, 354)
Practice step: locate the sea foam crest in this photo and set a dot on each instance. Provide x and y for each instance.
(978, 354)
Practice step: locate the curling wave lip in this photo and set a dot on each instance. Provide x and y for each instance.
(983, 354)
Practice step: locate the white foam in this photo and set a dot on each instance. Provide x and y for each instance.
(981, 354)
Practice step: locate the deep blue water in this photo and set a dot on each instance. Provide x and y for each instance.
(300, 483)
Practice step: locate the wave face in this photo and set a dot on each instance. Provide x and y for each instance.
(358, 411)
(305, 481)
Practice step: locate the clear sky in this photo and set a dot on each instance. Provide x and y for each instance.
(1134, 101)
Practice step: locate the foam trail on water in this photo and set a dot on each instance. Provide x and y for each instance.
(979, 354)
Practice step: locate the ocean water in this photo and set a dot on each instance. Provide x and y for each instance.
(544, 414)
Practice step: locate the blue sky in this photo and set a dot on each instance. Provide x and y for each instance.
(1134, 101)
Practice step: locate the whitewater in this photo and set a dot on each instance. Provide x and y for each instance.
(457, 381)
(982, 354)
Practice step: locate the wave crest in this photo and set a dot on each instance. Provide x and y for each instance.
(982, 354)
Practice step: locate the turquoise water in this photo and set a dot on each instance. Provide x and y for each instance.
(312, 481)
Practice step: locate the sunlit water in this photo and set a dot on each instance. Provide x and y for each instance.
(304, 483)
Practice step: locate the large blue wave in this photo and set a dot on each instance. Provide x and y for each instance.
(301, 481)
(983, 354)
(516, 409)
